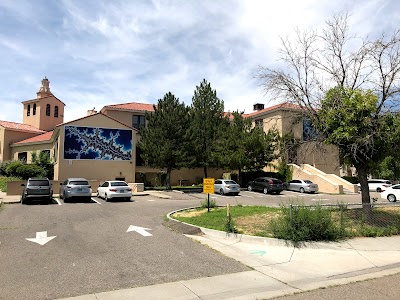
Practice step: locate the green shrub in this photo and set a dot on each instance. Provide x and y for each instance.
(27, 171)
(302, 223)
(11, 169)
(204, 204)
(3, 167)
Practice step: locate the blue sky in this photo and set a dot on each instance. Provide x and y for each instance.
(97, 53)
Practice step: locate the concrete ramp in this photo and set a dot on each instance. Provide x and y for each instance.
(327, 183)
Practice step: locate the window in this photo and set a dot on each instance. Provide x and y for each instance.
(47, 109)
(34, 109)
(56, 111)
(259, 123)
(138, 120)
(23, 156)
(28, 111)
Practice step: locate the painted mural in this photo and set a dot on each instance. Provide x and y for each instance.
(97, 143)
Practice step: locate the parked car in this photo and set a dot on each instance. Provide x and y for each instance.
(36, 188)
(265, 185)
(223, 187)
(377, 185)
(391, 193)
(114, 189)
(75, 188)
(301, 185)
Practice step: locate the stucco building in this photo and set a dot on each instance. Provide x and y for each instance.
(103, 145)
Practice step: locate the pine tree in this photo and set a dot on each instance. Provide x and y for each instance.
(206, 121)
(163, 139)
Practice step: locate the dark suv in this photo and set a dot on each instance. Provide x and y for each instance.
(266, 185)
(37, 188)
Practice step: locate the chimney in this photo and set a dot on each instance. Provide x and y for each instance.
(91, 112)
(258, 106)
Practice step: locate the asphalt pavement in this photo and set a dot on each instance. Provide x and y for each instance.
(276, 268)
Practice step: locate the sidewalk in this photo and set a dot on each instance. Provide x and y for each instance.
(279, 269)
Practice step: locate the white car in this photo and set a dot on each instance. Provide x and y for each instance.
(391, 193)
(114, 189)
(377, 185)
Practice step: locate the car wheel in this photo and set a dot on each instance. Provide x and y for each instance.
(106, 197)
(65, 198)
(301, 190)
(391, 198)
(249, 188)
(379, 190)
(23, 200)
(221, 192)
(98, 195)
(265, 191)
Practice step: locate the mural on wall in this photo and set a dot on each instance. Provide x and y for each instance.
(97, 143)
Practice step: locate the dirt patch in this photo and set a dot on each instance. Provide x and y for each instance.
(252, 225)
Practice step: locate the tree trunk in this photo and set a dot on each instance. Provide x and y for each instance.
(168, 179)
(362, 178)
(365, 197)
(205, 171)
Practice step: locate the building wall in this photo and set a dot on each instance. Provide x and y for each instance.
(122, 116)
(182, 176)
(100, 170)
(40, 120)
(11, 136)
(29, 148)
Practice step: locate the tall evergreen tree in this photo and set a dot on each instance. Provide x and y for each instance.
(206, 121)
(241, 147)
(163, 139)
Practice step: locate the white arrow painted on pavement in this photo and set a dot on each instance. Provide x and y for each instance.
(41, 238)
(140, 230)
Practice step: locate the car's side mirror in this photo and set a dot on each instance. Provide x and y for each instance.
(61, 183)
(22, 184)
(90, 186)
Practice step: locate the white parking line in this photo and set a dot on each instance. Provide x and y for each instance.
(58, 201)
(151, 200)
(95, 201)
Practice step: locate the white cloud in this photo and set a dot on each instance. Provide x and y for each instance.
(105, 52)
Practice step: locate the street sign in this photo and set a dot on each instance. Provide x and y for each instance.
(208, 185)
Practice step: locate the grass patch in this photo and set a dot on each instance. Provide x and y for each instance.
(302, 223)
(4, 180)
(216, 218)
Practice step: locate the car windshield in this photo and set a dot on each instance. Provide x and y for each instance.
(119, 184)
(82, 182)
(307, 181)
(39, 182)
(230, 182)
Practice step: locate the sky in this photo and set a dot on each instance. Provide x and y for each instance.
(98, 53)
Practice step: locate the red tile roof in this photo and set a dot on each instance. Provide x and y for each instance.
(130, 106)
(39, 138)
(278, 106)
(19, 126)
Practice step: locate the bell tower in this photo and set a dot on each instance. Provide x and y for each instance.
(45, 111)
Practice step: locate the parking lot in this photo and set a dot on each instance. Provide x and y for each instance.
(56, 250)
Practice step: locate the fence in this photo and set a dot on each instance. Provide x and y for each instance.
(351, 219)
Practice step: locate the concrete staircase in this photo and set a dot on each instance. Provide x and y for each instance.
(327, 183)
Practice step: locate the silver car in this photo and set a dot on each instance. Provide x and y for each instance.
(300, 185)
(223, 187)
(75, 188)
